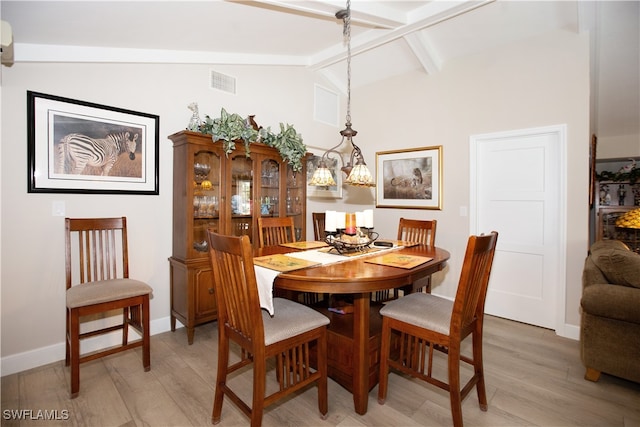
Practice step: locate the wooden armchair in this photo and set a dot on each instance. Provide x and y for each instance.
(289, 336)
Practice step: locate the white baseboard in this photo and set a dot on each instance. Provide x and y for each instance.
(570, 331)
(56, 352)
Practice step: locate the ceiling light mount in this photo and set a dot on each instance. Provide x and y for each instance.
(342, 14)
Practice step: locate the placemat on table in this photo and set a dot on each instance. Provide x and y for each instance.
(283, 263)
(304, 245)
(394, 259)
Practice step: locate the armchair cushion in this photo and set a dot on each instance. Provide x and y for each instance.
(612, 302)
(619, 265)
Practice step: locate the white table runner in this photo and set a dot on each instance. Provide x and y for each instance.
(266, 276)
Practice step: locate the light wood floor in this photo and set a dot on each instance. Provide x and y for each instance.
(533, 377)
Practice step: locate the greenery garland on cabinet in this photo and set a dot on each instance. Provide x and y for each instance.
(232, 128)
(632, 176)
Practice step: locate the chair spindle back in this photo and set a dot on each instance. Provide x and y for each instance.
(101, 245)
(235, 287)
(274, 231)
(474, 280)
(416, 230)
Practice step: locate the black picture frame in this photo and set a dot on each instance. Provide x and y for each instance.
(82, 147)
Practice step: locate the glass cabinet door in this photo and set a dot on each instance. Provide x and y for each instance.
(269, 187)
(295, 199)
(242, 196)
(206, 197)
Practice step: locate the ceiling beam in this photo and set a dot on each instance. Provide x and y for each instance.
(425, 17)
(424, 52)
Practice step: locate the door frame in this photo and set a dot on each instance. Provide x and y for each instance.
(560, 131)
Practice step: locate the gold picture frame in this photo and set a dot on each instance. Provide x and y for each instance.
(410, 178)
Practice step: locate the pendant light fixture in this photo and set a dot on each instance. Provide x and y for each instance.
(358, 173)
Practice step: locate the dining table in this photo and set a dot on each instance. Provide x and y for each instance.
(353, 339)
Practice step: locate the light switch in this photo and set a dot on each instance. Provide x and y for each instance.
(58, 208)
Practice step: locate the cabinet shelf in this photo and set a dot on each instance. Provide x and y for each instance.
(613, 198)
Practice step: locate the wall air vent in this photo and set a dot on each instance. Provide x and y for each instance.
(222, 82)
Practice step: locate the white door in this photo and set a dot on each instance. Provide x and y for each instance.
(518, 190)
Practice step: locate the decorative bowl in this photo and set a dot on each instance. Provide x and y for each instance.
(344, 243)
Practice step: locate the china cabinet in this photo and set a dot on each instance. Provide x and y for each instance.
(225, 193)
(617, 192)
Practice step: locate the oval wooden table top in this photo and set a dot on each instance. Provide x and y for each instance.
(356, 275)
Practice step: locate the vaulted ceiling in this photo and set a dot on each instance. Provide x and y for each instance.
(388, 37)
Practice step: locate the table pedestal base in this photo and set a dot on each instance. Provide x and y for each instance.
(340, 347)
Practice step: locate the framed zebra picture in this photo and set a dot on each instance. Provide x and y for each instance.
(82, 147)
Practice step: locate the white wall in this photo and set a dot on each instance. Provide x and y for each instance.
(537, 83)
(618, 147)
(32, 311)
(544, 81)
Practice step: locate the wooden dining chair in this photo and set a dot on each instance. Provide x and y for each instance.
(417, 231)
(427, 322)
(289, 336)
(272, 231)
(318, 226)
(97, 281)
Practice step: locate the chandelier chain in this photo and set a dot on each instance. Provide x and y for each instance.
(347, 35)
(356, 169)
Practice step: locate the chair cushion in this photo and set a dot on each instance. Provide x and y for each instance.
(423, 310)
(290, 319)
(619, 265)
(105, 291)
